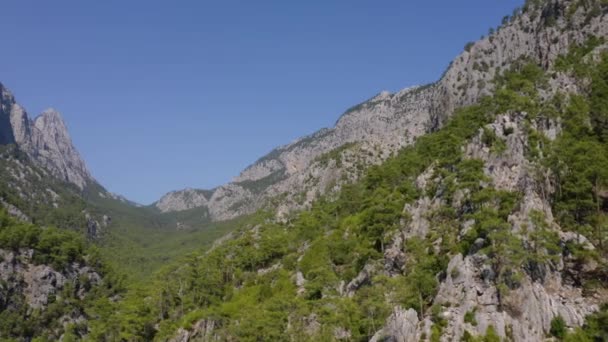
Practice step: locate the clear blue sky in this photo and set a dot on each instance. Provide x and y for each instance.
(162, 95)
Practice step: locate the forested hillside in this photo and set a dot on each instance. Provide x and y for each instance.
(507, 199)
(476, 209)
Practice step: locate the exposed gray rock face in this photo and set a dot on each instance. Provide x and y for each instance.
(14, 211)
(394, 256)
(361, 279)
(402, 326)
(388, 121)
(382, 125)
(45, 140)
(95, 229)
(21, 278)
(7, 104)
(202, 330)
(230, 198)
(418, 224)
(21, 126)
(42, 281)
(528, 310)
(300, 281)
(183, 200)
(54, 150)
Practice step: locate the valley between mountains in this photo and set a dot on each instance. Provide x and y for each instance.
(474, 208)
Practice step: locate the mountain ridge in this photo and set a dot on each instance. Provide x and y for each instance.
(471, 209)
(387, 122)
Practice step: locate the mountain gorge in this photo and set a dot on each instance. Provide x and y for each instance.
(471, 209)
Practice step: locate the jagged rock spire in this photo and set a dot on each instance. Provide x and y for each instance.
(46, 140)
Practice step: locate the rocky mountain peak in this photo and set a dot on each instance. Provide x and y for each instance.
(53, 145)
(45, 139)
(52, 127)
(51, 119)
(6, 130)
(14, 123)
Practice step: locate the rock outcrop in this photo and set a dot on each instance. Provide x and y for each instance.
(202, 330)
(402, 326)
(39, 284)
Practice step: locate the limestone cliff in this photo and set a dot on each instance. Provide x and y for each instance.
(45, 140)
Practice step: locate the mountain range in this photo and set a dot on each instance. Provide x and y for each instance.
(474, 208)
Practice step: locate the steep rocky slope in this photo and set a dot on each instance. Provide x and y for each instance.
(543, 292)
(387, 122)
(45, 140)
